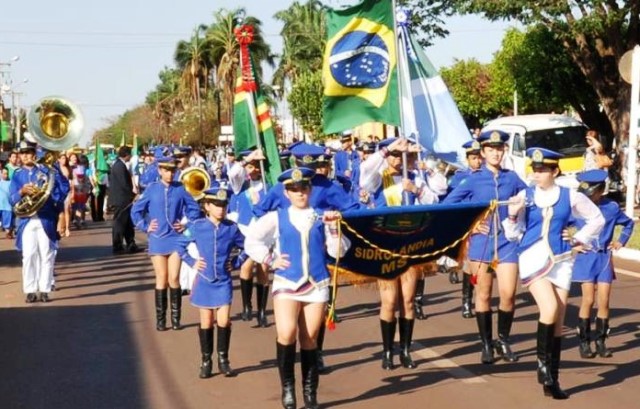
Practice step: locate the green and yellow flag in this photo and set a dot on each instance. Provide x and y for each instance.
(252, 120)
(4, 131)
(359, 68)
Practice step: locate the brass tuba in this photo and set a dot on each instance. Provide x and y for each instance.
(55, 124)
(195, 180)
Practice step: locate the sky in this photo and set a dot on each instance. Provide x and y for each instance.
(105, 56)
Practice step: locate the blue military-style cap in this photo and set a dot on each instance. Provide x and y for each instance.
(308, 154)
(159, 152)
(544, 157)
(181, 151)
(386, 142)
(296, 176)
(493, 137)
(366, 147)
(591, 181)
(217, 193)
(472, 147)
(167, 162)
(26, 146)
(592, 176)
(346, 135)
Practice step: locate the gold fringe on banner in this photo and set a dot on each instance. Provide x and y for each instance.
(350, 277)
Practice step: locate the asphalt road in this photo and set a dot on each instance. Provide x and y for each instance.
(95, 346)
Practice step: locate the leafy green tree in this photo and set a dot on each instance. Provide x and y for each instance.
(470, 84)
(304, 37)
(427, 18)
(545, 77)
(594, 33)
(305, 102)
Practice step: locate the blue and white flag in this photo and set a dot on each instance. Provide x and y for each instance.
(429, 112)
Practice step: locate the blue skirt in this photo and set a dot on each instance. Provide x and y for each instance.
(164, 245)
(211, 294)
(483, 247)
(593, 267)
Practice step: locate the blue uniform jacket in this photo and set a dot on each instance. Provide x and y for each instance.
(149, 175)
(165, 203)
(344, 161)
(325, 195)
(215, 244)
(457, 178)
(49, 212)
(613, 217)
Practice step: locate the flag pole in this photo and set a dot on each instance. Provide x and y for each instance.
(254, 116)
(405, 172)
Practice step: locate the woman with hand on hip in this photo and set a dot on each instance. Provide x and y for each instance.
(537, 218)
(301, 279)
(158, 213)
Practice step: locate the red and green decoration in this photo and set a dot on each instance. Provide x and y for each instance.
(244, 35)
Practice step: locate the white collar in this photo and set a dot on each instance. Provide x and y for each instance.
(546, 198)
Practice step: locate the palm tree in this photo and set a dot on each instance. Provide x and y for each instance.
(194, 60)
(304, 37)
(224, 51)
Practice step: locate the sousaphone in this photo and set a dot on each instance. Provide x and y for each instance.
(55, 124)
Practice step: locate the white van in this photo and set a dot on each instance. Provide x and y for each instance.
(559, 133)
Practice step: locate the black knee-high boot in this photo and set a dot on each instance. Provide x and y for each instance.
(206, 348)
(161, 309)
(388, 330)
(544, 350)
(554, 389)
(262, 296)
(503, 345)
(602, 333)
(175, 295)
(224, 340)
(286, 356)
(406, 335)
(246, 290)
(485, 328)
(310, 378)
(584, 334)
(467, 296)
(322, 368)
(418, 299)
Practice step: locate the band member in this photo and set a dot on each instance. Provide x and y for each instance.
(37, 236)
(245, 178)
(594, 267)
(216, 238)
(325, 195)
(382, 177)
(345, 160)
(181, 155)
(488, 244)
(537, 217)
(158, 213)
(301, 278)
(474, 160)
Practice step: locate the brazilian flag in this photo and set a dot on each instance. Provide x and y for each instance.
(359, 67)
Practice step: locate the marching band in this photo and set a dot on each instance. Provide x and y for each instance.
(289, 229)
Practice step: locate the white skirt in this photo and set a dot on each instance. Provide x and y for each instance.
(560, 274)
(315, 294)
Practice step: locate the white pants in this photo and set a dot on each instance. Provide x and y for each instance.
(188, 274)
(37, 258)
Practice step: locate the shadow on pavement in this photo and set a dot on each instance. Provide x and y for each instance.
(69, 357)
